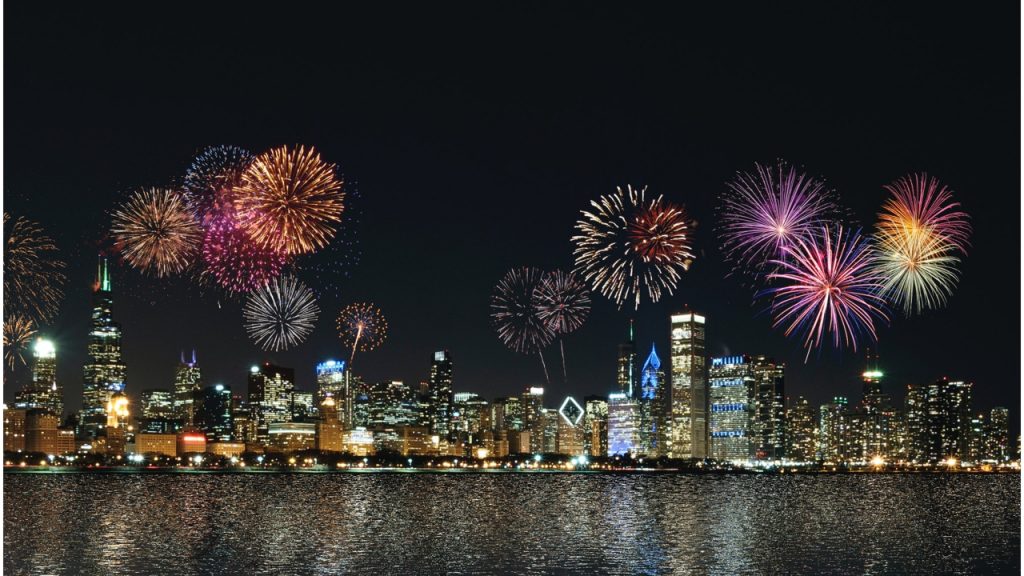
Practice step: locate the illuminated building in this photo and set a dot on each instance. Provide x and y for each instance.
(187, 383)
(358, 442)
(328, 427)
(976, 448)
(190, 443)
(998, 435)
(519, 442)
(832, 431)
(302, 406)
(731, 387)
(650, 405)
(292, 436)
(411, 441)
(41, 431)
(392, 403)
(469, 412)
(157, 403)
(14, 429)
(165, 444)
(332, 380)
(802, 429)
(43, 391)
(569, 436)
(508, 413)
(104, 370)
(878, 418)
(915, 422)
(622, 432)
(946, 428)
(533, 407)
(768, 425)
(595, 425)
(441, 372)
(549, 430)
(67, 443)
(225, 449)
(270, 397)
(119, 430)
(688, 398)
(243, 425)
(213, 413)
(625, 375)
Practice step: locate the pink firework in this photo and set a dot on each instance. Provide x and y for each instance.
(235, 262)
(829, 289)
(765, 211)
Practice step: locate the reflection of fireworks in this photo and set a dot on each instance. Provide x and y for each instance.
(630, 245)
(234, 261)
(920, 231)
(280, 314)
(765, 211)
(18, 333)
(829, 288)
(157, 231)
(514, 316)
(362, 325)
(211, 179)
(562, 303)
(290, 200)
(33, 275)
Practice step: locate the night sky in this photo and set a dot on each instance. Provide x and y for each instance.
(476, 135)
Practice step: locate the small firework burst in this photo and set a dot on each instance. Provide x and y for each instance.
(18, 333)
(235, 262)
(562, 302)
(280, 314)
(363, 326)
(157, 232)
(212, 178)
(290, 200)
(33, 272)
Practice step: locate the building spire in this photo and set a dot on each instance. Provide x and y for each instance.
(631, 338)
(102, 275)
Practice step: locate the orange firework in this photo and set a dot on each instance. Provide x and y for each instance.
(158, 231)
(290, 200)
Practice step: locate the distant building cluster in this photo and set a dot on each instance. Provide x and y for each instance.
(727, 408)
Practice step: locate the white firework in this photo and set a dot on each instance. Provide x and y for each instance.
(280, 314)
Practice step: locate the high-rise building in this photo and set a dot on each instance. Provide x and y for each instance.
(651, 393)
(332, 380)
(43, 391)
(688, 398)
(303, 408)
(944, 428)
(878, 418)
(508, 414)
(213, 413)
(832, 431)
(622, 417)
(625, 375)
(187, 383)
(157, 403)
(118, 432)
(915, 422)
(731, 386)
(595, 425)
(41, 431)
(328, 426)
(14, 429)
(468, 413)
(105, 371)
(270, 397)
(441, 399)
(802, 431)
(533, 406)
(570, 431)
(392, 403)
(768, 428)
(998, 435)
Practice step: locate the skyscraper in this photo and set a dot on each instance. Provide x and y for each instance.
(270, 397)
(731, 386)
(942, 420)
(441, 399)
(213, 413)
(802, 426)
(533, 406)
(331, 381)
(622, 417)
(43, 391)
(832, 431)
(595, 424)
(769, 418)
(651, 393)
(878, 420)
(104, 370)
(187, 382)
(626, 365)
(998, 435)
(689, 391)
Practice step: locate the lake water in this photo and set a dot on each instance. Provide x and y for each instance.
(486, 523)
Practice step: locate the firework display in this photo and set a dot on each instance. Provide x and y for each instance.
(18, 333)
(157, 232)
(290, 200)
(829, 290)
(919, 235)
(514, 316)
(764, 211)
(235, 262)
(33, 273)
(362, 325)
(629, 246)
(561, 301)
(210, 181)
(280, 314)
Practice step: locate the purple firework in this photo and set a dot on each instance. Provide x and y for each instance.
(514, 316)
(562, 303)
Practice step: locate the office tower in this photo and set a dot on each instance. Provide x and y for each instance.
(104, 369)
(832, 431)
(802, 431)
(213, 413)
(43, 391)
(998, 435)
(533, 406)
(688, 398)
(332, 380)
(468, 412)
(915, 422)
(302, 406)
(157, 403)
(570, 431)
(118, 432)
(651, 392)
(877, 418)
(549, 431)
(41, 431)
(945, 432)
(243, 426)
(441, 399)
(14, 429)
(508, 414)
(731, 389)
(392, 403)
(187, 382)
(328, 426)
(976, 445)
(768, 428)
(622, 431)
(270, 397)
(595, 425)
(626, 366)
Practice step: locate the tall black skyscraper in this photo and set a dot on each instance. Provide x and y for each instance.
(626, 368)
(104, 370)
(213, 412)
(441, 396)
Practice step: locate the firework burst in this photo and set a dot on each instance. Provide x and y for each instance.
(562, 303)
(212, 178)
(764, 211)
(33, 274)
(920, 233)
(234, 261)
(829, 289)
(363, 326)
(290, 200)
(280, 314)
(514, 316)
(157, 232)
(630, 245)
(18, 333)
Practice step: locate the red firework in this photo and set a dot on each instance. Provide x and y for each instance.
(235, 262)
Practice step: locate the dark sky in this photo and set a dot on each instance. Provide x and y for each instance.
(477, 134)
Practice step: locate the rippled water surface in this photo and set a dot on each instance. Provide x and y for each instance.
(424, 523)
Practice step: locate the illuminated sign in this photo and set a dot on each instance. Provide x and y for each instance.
(571, 411)
(727, 360)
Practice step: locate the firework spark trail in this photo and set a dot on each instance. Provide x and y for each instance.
(210, 181)
(514, 316)
(234, 261)
(828, 287)
(562, 303)
(33, 274)
(290, 200)
(764, 211)
(363, 326)
(919, 234)
(280, 314)
(157, 232)
(18, 333)
(628, 245)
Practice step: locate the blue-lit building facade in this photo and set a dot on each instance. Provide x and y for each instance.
(731, 380)
(622, 430)
(650, 394)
